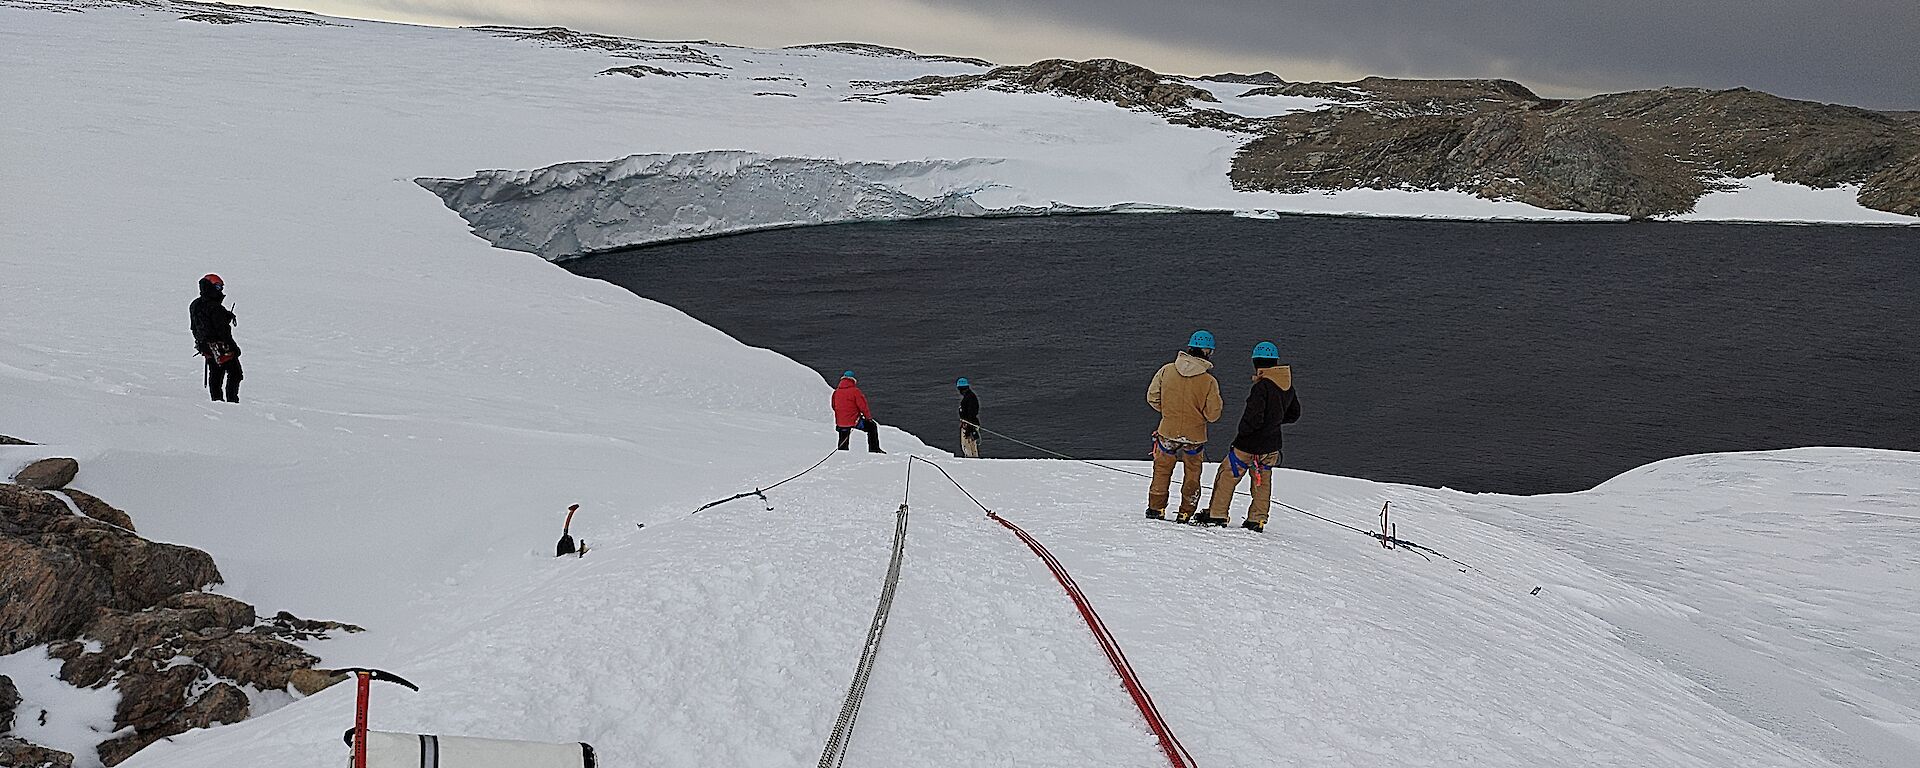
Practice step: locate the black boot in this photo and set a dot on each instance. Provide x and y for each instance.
(1207, 520)
(1253, 526)
(1154, 514)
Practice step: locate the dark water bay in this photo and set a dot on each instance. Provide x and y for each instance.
(1510, 357)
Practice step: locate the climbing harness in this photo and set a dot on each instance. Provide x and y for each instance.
(1387, 538)
(1176, 752)
(1164, 445)
(1258, 466)
(762, 492)
(835, 753)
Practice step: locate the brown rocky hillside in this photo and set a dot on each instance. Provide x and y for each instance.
(1639, 153)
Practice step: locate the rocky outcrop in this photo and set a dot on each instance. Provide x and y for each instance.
(286, 626)
(220, 704)
(311, 681)
(681, 52)
(1110, 80)
(1641, 154)
(1896, 188)
(47, 474)
(889, 52)
(178, 666)
(44, 595)
(5, 440)
(18, 753)
(1400, 96)
(92, 506)
(643, 70)
(9, 701)
(120, 610)
(101, 566)
(1257, 78)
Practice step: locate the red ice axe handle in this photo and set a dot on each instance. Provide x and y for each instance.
(568, 525)
(358, 736)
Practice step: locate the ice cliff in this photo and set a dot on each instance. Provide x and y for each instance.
(572, 209)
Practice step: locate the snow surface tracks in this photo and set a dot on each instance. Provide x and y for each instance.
(834, 755)
(835, 752)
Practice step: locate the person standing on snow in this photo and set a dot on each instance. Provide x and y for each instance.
(850, 412)
(1188, 399)
(969, 419)
(1256, 447)
(213, 340)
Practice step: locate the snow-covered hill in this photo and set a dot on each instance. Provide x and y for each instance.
(421, 407)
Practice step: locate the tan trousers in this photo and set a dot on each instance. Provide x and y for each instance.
(1163, 462)
(1224, 481)
(969, 440)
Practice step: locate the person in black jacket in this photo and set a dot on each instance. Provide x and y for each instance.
(1256, 447)
(213, 339)
(969, 420)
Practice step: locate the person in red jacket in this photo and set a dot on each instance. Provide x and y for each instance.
(850, 412)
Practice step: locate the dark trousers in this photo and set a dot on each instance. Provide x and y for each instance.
(223, 380)
(873, 435)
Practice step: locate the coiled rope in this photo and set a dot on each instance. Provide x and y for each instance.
(1176, 752)
(835, 753)
(762, 492)
(1416, 548)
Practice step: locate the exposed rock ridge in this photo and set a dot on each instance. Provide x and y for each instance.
(869, 49)
(1639, 153)
(1400, 97)
(683, 52)
(1110, 80)
(119, 610)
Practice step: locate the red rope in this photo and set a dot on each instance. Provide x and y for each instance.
(1176, 752)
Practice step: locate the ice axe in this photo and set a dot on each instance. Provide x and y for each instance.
(357, 737)
(566, 547)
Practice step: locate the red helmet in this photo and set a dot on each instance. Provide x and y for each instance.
(214, 279)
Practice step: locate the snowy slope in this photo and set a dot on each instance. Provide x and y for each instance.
(421, 407)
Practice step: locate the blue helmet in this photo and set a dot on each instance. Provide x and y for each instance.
(846, 374)
(1266, 351)
(1201, 340)
(961, 383)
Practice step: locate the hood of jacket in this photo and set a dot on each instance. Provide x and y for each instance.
(1190, 366)
(846, 383)
(1281, 375)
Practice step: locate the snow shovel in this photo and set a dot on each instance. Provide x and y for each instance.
(566, 547)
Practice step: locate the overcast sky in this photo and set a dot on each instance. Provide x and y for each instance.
(1862, 52)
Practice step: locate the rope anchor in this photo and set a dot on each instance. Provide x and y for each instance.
(762, 492)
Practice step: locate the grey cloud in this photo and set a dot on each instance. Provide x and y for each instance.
(1862, 52)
